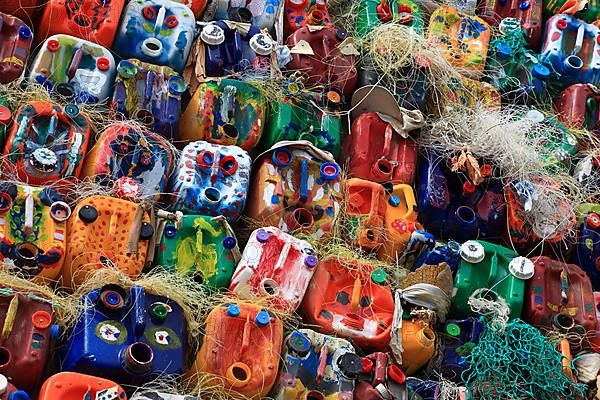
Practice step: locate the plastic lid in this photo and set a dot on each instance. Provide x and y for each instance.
(379, 276)
(212, 34)
(44, 157)
(5, 115)
(261, 44)
(521, 268)
(262, 236)
(396, 374)
(25, 32)
(299, 343)
(3, 384)
(535, 116)
(126, 188)
(453, 329)
(170, 231)
(472, 251)
(524, 5)
(350, 364)
(18, 395)
(41, 319)
(394, 201)
(159, 311)
(540, 71)
(233, 310)
(311, 261)
(503, 50)
(229, 242)
(367, 365)
(262, 318)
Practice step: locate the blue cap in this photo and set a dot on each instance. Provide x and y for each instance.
(262, 318)
(170, 231)
(229, 242)
(541, 72)
(524, 5)
(18, 395)
(24, 32)
(233, 310)
(394, 201)
(503, 50)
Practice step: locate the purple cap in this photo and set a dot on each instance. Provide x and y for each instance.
(311, 261)
(262, 236)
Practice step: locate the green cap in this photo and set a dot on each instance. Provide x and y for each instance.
(453, 329)
(379, 276)
(159, 311)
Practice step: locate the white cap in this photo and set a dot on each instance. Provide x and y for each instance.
(261, 44)
(3, 384)
(521, 268)
(472, 251)
(212, 34)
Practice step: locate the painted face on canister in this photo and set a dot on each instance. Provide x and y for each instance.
(16, 43)
(25, 339)
(48, 142)
(126, 335)
(32, 230)
(74, 386)
(212, 180)
(159, 32)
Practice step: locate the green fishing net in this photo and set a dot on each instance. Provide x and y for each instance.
(517, 363)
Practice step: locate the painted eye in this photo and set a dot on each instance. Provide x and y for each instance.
(205, 159)
(60, 211)
(149, 12)
(163, 336)
(171, 22)
(282, 157)
(593, 220)
(228, 165)
(146, 231)
(159, 311)
(5, 202)
(112, 332)
(329, 170)
(88, 214)
(112, 298)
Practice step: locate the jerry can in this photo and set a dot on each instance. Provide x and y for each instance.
(150, 94)
(418, 345)
(470, 93)
(524, 235)
(418, 389)
(197, 6)
(438, 253)
(225, 112)
(488, 265)
(47, 143)
(242, 343)
(515, 71)
(211, 179)
(124, 151)
(275, 265)
(464, 38)
(381, 378)
(559, 288)
(324, 57)
(459, 336)
(578, 106)
(587, 245)
(594, 340)
(378, 219)
(296, 118)
(589, 13)
(296, 186)
(300, 13)
(576, 61)
(5, 120)
(27, 336)
(451, 207)
(22, 9)
(528, 13)
(199, 246)
(155, 395)
(74, 386)
(225, 48)
(158, 32)
(350, 300)
(14, 50)
(126, 335)
(372, 13)
(32, 231)
(375, 151)
(316, 366)
(74, 68)
(261, 13)
(106, 232)
(96, 21)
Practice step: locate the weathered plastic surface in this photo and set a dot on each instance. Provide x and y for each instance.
(197, 6)
(211, 179)
(578, 106)
(459, 336)
(262, 13)
(87, 68)
(101, 232)
(379, 220)
(242, 344)
(26, 345)
(123, 150)
(300, 13)
(5, 120)
(32, 231)
(372, 13)
(74, 386)
(594, 340)
(14, 50)
(294, 187)
(96, 21)
(126, 335)
(47, 143)
(324, 56)
(573, 49)
(491, 273)
(275, 265)
(587, 247)
(440, 252)
(451, 208)
(298, 119)
(150, 94)
(418, 345)
(155, 395)
(590, 13)
(158, 32)
(418, 389)
(8, 389)
(200, 247)
(464, 38)
(559, 288)
(529, 14)
(558, 144)
(469, 92)
(226, 112)
(381, 378)
(315, 364)
(23, 9)
(230, 48)
(352, 303)
(521, 233)
(376, 152)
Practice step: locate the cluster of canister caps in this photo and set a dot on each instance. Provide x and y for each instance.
(188, 75)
